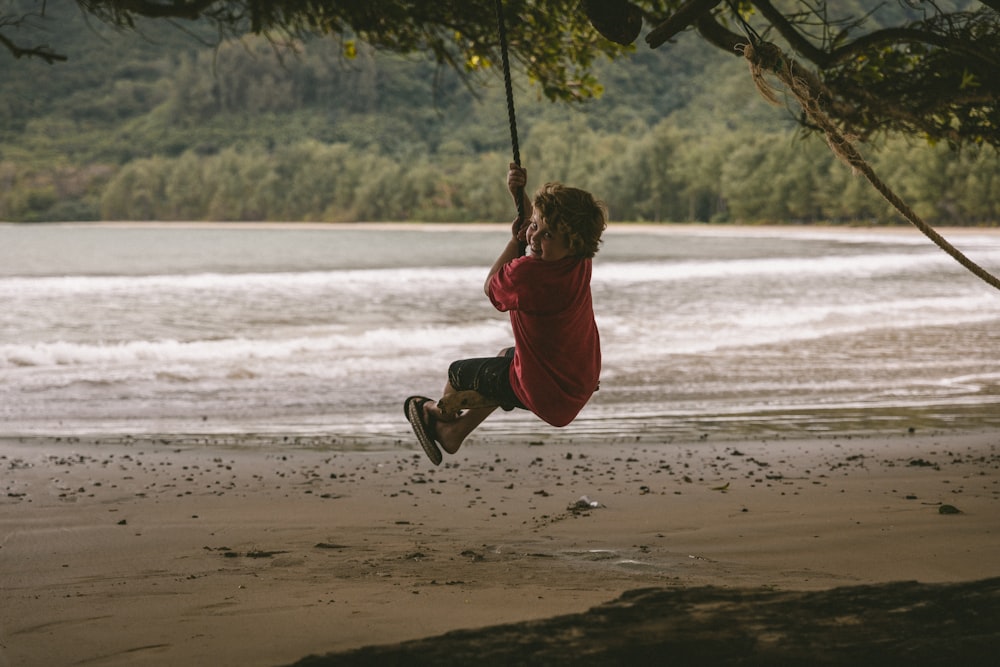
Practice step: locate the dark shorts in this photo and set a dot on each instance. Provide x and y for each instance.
(489, 376)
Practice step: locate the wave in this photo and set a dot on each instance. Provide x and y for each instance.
(609, 272)
(240, 282)
(708, 329)
(860, 265)
(407, 345)
(378, 342)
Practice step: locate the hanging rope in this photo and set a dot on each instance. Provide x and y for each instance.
(502, 30)
(765, 58)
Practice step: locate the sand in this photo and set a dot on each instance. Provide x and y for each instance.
(261, 550)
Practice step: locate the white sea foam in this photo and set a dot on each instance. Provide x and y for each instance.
(237, 282)
(868, 265)
(388, 342)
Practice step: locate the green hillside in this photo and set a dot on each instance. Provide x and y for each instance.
(164, 124)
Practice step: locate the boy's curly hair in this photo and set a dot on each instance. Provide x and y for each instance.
(575, 213)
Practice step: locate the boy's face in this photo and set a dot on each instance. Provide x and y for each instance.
(545, 243)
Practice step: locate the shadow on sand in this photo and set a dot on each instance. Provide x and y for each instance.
(887, 624)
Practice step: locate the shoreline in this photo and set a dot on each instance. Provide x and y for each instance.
(609, 423)
(167, 551)
(487, 224)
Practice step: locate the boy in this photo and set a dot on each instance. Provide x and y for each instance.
(555, 364)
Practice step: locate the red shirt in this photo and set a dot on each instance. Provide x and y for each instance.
(557, 349)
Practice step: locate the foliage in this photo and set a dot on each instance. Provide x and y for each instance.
(923, 69)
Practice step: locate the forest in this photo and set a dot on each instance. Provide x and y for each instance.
(168, 123)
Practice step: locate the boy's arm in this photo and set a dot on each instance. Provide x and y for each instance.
(517, 178)
(512, 251)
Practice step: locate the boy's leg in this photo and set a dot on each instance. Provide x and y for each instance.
(452, 431)
(455, 420)
(452, 402)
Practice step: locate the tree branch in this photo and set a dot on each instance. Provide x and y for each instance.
(181, 9)
(686, 14)
(716, 34)
(43, 52)
(895, 35)
(825, 59)
(795, 39)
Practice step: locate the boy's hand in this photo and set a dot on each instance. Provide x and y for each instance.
(519, 229)
(517, 179)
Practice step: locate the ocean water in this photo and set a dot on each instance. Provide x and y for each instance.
(320, 332)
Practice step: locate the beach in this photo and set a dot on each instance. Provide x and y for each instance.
(262, 550)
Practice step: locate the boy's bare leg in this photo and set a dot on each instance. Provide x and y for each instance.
(453, 402)
(452, 429)
(459, 414)
(451, 434)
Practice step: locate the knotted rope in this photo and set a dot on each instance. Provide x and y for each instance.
(502, 30)
(766, 58)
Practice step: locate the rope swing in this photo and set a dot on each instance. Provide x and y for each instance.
(765, 58)
(515, 148)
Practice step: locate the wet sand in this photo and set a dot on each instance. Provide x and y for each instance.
(177, 550)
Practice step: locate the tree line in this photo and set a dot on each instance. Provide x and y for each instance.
(664, 175)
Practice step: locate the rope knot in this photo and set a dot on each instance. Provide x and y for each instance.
(764, 58)
(764, 55)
